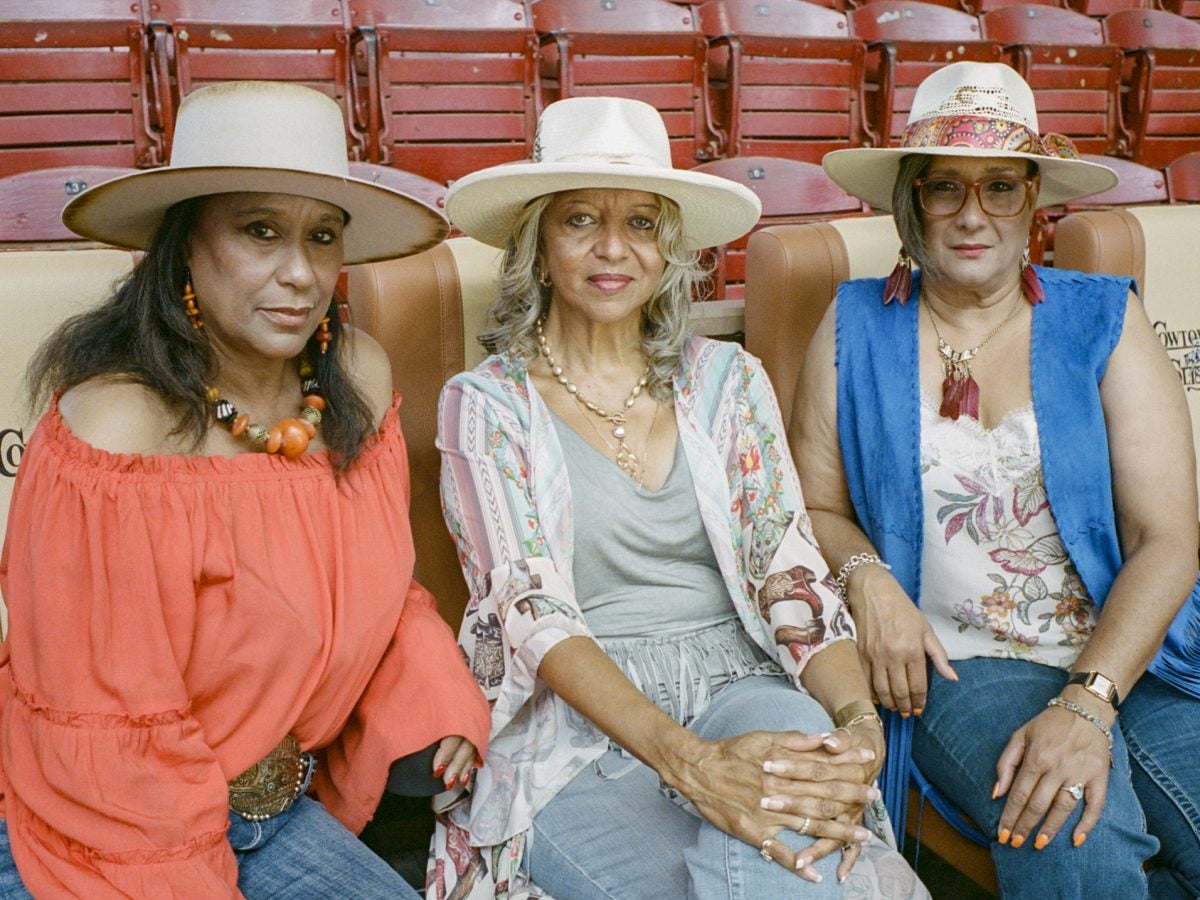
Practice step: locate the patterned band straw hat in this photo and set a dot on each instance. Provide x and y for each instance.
(601, 142)
(979, 110)
(263, 137)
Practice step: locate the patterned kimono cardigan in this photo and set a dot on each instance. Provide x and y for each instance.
(507, 501)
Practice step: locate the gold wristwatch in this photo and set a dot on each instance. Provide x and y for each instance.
(1097, 684)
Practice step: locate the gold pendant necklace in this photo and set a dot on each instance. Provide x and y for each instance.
(626, 459)
(960, 391)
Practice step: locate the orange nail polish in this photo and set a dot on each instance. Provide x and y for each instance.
(1041, 842)
(904, 715)
(918, 710)
(437, 773)
(1080, 838)
(1017, 841)
(1004, 835)
(995, 790)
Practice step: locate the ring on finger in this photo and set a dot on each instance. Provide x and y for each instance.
(803, 829)
(765, 851)
(1075, 790)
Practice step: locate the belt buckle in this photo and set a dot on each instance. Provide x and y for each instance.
(272, 785)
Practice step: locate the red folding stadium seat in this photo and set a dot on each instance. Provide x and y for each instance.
(791, 191)
(907, 41)
(1163, 101)
(73, 86)
(978, 7)
(201, 42)
(648, 50)
(1183, 178)
(785, 78)
(1074, 73)
(453, 85)
(425, 189)
(1187, 8)
(31, 202)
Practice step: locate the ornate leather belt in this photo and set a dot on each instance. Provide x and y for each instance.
(272, 785)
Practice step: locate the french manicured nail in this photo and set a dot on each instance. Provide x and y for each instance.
(1017, 841)
(862, 835)
(810, 873)
(771, 803)
(829, 742)
(995, 790)
(1080, 838)
(1041, 842)
(773, 767)
(873, 793)
(1003, 836)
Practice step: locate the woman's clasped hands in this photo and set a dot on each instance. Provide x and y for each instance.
(760, 785)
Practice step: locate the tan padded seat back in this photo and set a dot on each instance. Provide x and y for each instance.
(40, 289)
(1158, 245)
(792, 273)
(426, 311)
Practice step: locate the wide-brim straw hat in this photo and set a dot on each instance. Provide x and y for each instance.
(973, 110)
(601, 142)
(264, 137)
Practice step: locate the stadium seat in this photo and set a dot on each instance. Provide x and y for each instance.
(1075, 75)
(1101, 8)
(785, 77)
(649, 50)
(73, 86)
(453, 85)
(199, 42)
(1183, 178)
(1163, 105)
(907, 41)
(791, 191)
(31, 203)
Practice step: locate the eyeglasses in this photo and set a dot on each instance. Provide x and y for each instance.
(945, 195)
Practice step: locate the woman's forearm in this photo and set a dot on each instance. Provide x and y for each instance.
(834, 677)
(1149, 590)
(580, 672)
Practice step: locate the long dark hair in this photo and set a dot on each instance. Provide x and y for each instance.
(142, 333)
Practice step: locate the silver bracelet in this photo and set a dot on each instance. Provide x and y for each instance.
(1083, 713)
(854, 562)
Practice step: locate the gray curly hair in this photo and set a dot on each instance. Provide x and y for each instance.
(523, 299)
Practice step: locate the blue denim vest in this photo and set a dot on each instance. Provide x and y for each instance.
(879, 430)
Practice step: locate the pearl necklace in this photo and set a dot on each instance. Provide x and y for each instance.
(626, 459)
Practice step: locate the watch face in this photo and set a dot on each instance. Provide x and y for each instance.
(1101, 686)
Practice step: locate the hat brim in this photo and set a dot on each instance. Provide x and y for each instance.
(869, 173)
(384, 223)
(485, 204)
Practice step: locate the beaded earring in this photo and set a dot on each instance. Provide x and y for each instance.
(1030, 285)
(324, 335)
(899, 283)
(189, 302)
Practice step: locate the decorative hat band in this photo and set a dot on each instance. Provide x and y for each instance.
(985, 133)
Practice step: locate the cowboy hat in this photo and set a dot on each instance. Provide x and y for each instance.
(601, 142)
(974, 110)
(258, 136)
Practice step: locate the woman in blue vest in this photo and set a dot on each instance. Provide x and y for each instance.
(998, 463)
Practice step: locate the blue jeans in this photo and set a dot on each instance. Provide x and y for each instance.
(301, 853)
(1153, 786)
(612, 833)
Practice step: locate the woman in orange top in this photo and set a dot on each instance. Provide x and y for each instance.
(201, 630)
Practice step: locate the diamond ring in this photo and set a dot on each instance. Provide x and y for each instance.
(1075, 790)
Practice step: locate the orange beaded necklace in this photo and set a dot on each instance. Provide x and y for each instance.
(290, 435)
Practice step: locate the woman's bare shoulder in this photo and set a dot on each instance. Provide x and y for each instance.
(369, 365)
(120, 415)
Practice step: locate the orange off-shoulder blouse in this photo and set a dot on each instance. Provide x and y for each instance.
(171, 618)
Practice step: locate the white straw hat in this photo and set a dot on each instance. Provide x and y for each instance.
(259, 136)
(976, 110)
(601, 142)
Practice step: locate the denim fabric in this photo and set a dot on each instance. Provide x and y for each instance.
(964, 728)
(612, 833)
(300, 854)
(1161, 725)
